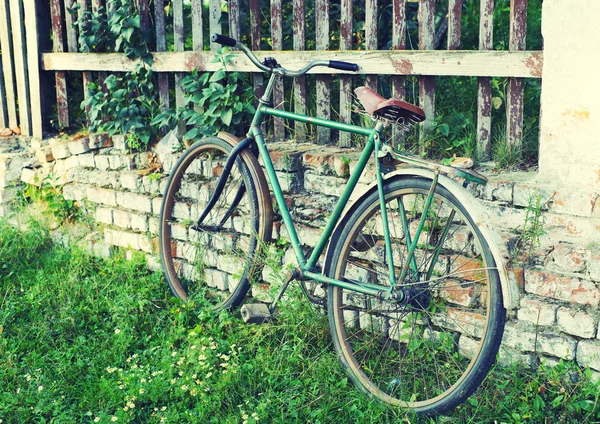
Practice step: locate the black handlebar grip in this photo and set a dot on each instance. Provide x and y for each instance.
(221, 39)
(343, 66)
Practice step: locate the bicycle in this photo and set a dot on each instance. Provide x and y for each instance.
(416, 287)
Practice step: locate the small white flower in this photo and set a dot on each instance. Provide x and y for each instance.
(96, 419)
(40, 388)
(117, 331)
(113, 419)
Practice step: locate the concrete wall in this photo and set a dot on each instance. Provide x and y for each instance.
(570, 121)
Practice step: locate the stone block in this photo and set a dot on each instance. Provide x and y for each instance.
(148, 244)
(119, 142)
(291, 182)
(119, 162)
(79, 146)
(519, 336)
(44, 154)
(29, 176)
(577, 323)
(288, 156)
(136, 202)
(499, 190)
(150, 185)
(103, 215)
(74, 192)
(588, 354)
(555, 345)
(570, 289)
(573, 202)
(7, 194)
(139, 222)
(526, 195)
(60, 150)
(121, 218)
(87, 160)
(101, 195)
(568, 258)
(329, 161)
(130, 180)
(332, 186)
(593, 266)
(100, 141)
(153, 226)
(71, 162)
(156, 204)
(102, 162)
(537, 312)
(122, 239)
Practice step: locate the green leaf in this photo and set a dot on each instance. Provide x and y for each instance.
(226, 116)
(443, 129)
(191, 134)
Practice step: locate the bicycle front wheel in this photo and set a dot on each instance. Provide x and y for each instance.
(216, 261)
(429, 349)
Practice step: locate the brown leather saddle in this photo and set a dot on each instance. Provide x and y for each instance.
(394, 110)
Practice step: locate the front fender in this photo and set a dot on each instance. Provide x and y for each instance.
(510, 290)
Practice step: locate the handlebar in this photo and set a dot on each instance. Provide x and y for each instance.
(334, 64)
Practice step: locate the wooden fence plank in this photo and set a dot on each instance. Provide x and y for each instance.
(255, 42)
(96, 5)
(197, 27)
(7, 65)
(33, 61)
(484, 96)
(277, 41)
(345, 139)
(427, 82)
(473, 63)
(161, 46)
(20, 60)
(514, 107)
(144, 12)
(398, 81)
(214, 18)
(454, 23)
(72, 44)
(87, 76)
(371, 36)
(323, 81)
(234, 19)
(179, 46)
(3, 115)
(300, 82)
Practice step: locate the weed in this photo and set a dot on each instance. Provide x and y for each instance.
(532, 229)
(49, 195)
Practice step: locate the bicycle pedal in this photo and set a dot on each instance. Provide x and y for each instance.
(255, 313)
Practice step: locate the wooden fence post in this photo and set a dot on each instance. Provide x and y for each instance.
(277, 41)
(371, 36)
(345, 139)
(7, 64)
(179, 44)
(484, 96)
(234, 19)
(323, 81)
(20, 61)
(426, 83)
(161, 46)
(33, 61)
(300, 82)
(514, 106)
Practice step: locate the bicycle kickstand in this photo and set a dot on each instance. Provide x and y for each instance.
(259, 313)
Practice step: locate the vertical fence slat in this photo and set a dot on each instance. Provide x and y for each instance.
(323, 81)
(234, 19)
(87, 76)
(18, 32)
(426, 83)
(300, 82)
(398, 43)
(514, 107)
(345, 139)
(33, 68)
(371, 35)
(214, 17)
(161, 46)
(179, 46)
(96, 5)
(144, 11)
(454, 25)
(197, 27)
(3, 115)
(277, 41)
(7, 71)
(255, 42)
(70, 28)
(484, 96)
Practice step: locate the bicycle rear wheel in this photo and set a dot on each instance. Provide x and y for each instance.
(215, 262)
(432, 349)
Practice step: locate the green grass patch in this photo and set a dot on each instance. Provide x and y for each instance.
(84, 340)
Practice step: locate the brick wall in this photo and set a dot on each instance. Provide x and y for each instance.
(121, 191)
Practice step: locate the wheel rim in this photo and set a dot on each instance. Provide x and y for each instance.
(209, 264)
(417, 352)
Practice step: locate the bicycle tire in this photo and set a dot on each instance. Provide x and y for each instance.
(432, 350)
(214, 264)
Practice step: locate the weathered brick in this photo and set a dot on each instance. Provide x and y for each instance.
(134, 201)
(537, 312)
(102, 162)
(291, 182)
(139, 222)
(104, 215)
(329, 161)
(563, 288)
(588, 354)
(573, 203)
(519, 336)
(594, 265)
(122, 238)
(29, 176)
(332, 186)
(101, 195)
(288, 157)
(60, 151)
(44, 154)
(74, 192)
(156, 204)
(121, 218)
(555, 345)
(569, 258)
(119, 142)
(87, 160)
(77, 147)
(71, 162)
(578, 323)
(7, 194)
(148, 244)
(150, 185)
(99, 141)
(499, 190)
(130, 181)
(153, 225)
(119, 162)
(525, 194)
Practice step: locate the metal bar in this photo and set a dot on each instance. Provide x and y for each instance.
(413, 246)
(438, 248)
(356, 287)
(343, 200)
(406, 229)
(317, 121)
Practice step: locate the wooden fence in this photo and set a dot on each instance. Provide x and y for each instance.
(249, 20)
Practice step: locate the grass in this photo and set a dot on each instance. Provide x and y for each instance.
(84, 340)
